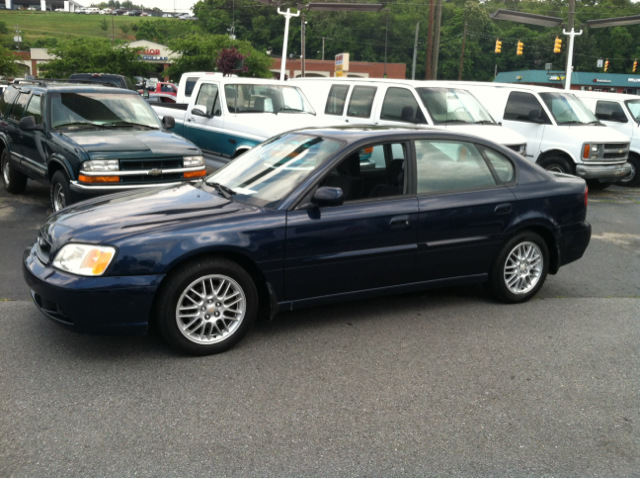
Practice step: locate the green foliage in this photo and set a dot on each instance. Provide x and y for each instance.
(92, 55)
(104, 25)
(199, 53)
(163, 30)
(125, 29)
(8, 65)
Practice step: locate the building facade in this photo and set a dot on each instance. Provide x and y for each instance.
(590, 81)
(326, 68)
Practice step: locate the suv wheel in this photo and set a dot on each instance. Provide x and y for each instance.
(13, 180)
(557, 164)
(60, 191)
(633, 178)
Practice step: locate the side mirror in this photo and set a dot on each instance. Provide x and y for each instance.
(199, 110)
(168, 122)
(328, 196)
(28, 123)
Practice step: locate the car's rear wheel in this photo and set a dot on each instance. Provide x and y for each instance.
(633, 178)
(60, 191)
(557, 164)
(207, 306)
(13, 181)
(520, 268)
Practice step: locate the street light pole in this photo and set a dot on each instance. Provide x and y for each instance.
(288, 16)
(415, 53)
(572, 34)
(303, 46)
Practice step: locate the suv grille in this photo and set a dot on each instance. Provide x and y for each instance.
(164, 164)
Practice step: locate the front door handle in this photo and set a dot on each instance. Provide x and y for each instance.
(503, 209)
(399, 222)
(188, 119)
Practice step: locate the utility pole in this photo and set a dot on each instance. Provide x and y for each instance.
(323, 47)
(430, 39)
(415, 53)
(464, 39)
(303, 33)
(113, 29)
(572, 34)
(386, 37)
(288, 16)
(436, 41)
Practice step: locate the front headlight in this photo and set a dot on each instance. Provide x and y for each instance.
(192, 161)
(84, 259)
(592, 151)
(101, 165)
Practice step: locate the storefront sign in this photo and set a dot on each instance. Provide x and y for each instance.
(342, 62)
(597, 80)
(633, 80)
(556, 78)
(149, 51)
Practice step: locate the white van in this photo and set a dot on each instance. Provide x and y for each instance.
(402, 102)
(92, 11)
(563, 135)
(622, 113)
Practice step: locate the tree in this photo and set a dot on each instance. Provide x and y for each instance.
(103, 25)
(200, 52)
(95, 55)
(8, 65)
(231, 61)
(125, 29)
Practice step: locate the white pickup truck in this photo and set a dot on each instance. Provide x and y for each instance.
(226, 116)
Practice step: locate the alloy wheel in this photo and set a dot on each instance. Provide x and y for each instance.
(630, 176)
(5, 172)
(211, 309)
(523, 267)
(59, 200)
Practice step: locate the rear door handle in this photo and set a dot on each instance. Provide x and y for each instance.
(503, 209)
(399, 222)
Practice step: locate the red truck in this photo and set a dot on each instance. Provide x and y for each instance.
(163, 87)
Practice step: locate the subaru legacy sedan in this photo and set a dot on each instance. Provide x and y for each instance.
(309, 217)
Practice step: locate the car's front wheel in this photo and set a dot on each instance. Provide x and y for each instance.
(13, 180)
(520, 268)
(206, 306)
(557, 164)
(60, 191)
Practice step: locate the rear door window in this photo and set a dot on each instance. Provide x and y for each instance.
(34, 109)
(361, 101)
(336, 100)
(6, 99)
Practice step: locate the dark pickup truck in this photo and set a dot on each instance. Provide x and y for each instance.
(87, 140)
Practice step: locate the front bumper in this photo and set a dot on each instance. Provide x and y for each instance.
(82, 192)
(603, 172)
(107, 305)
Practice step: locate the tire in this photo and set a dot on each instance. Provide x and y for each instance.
(505, 283)
(60, 192)
(633, 179)
(196, 294)
(14, 181)
(557, 164)
(595, 185)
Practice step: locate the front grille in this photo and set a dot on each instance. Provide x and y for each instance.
(143, 164)
(616, 146)
(615, 152)
(43, 249)
(129, 179)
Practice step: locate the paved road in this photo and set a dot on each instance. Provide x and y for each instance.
(445, 383)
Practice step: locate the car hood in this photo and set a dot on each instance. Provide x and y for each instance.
(496, 133)
(593, 134)
(109, 219)
(150, 142)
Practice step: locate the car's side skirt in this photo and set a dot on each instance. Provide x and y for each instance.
(369, 293)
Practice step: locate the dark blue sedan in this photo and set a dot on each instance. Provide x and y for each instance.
(307, 218)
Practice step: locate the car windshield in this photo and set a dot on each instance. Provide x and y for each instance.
(634, 109)
(568, 110)
(266, 174)
(266, 99)
(451, 105)
(85, 110)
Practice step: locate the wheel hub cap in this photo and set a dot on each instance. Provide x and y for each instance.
(523, 267)
(5, 172)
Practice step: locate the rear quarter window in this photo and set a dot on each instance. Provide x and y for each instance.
(6, 99)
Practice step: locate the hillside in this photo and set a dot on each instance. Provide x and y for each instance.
(61, 25)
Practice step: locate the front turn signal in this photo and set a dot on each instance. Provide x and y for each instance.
(99, 179)
(195, 174)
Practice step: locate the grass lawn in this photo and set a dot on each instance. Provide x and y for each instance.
(63, 25)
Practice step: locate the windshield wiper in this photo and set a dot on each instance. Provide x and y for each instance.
(291, 109)
(223, 190)
(129, 123)
(596, 123)
(485, 122)
(82, 123)
(574, 122)
(451, 122)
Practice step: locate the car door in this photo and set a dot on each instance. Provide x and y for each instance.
(525, 114)
(614, 116)
(33, 152)
(204, 122)
(465, 206)
(14, 116)
(368, 242)
(400, 107)
(360, 105)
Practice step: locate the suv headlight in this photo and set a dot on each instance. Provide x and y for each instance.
(192, 161)
(591, 151)
(84, 259)
(101, 165)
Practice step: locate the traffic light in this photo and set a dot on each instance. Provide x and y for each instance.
(606, 65)
(557, 46)
(635, 65)
(520, 47)
(498, 46)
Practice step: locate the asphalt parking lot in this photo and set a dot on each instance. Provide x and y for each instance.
(438, 383)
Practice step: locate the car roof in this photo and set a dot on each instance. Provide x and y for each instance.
(72, 88)
(606, 95)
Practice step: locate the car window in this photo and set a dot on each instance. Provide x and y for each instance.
(190, 85)
(450, 166)
(375, 171)
(400, 105)
(209, 98)
(34, 109)
(524, 107)
(18, 107)
(336, 100)
(361, 101)
(610, 111)
(6, 99)
(502, 166)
